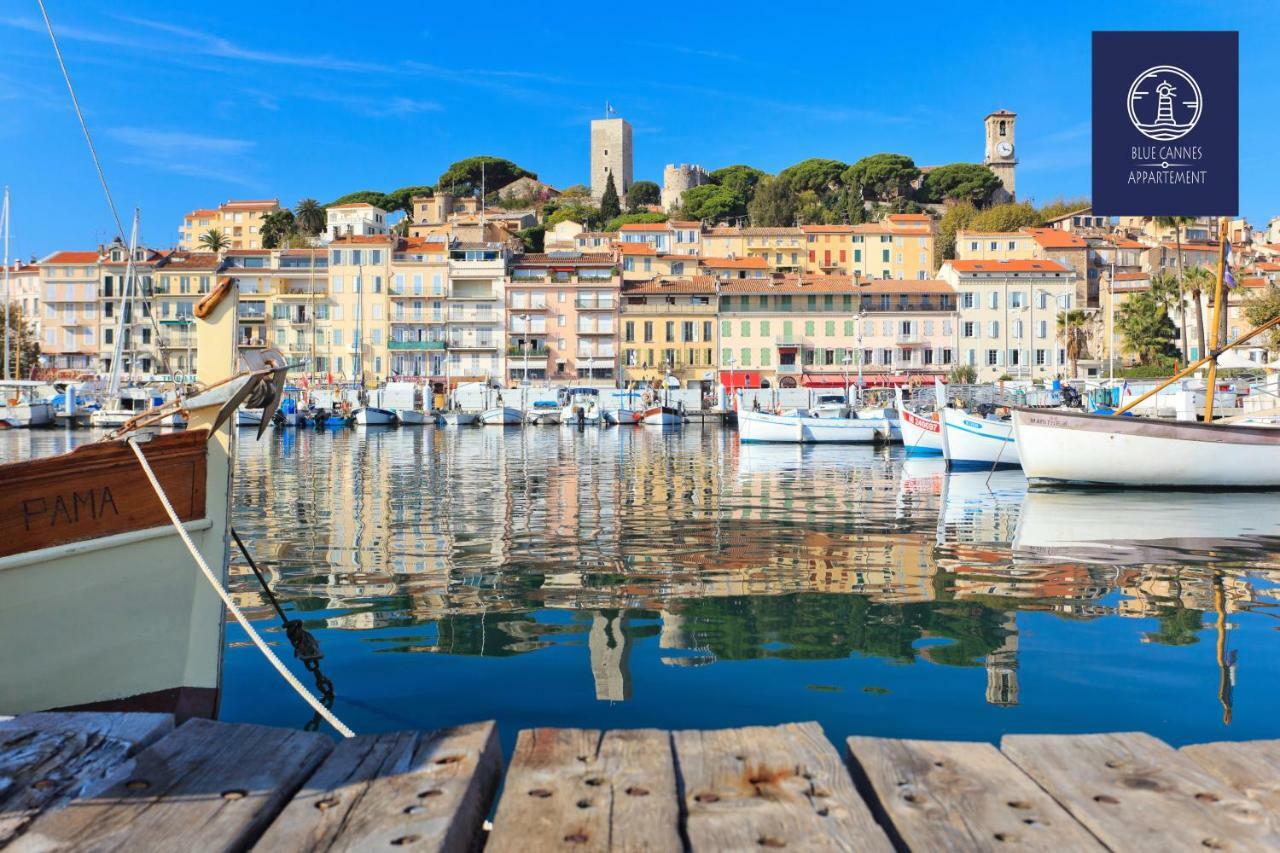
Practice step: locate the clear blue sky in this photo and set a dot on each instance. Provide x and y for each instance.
(193, 104)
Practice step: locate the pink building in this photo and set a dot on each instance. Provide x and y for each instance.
(906, 328)
(69, 318)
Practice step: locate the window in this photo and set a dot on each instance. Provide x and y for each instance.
(993, 329)
(993, 299)
(744, 357)
(648, 331)
(967, 299)
(967, 329)
(764, 328)
(1017, 328)
(993, 357)
(745, 328)
(1015, 299)
(726, 329)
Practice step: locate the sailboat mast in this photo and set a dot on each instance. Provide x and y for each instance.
(8, 298)
(117, 351)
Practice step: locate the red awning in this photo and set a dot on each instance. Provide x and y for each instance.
(734, 380)
(826, 380)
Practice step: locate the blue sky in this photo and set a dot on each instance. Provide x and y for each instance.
(288, 100)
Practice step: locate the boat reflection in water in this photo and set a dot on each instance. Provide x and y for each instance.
(677, 579)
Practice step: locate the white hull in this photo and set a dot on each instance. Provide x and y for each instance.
(543, 417)
(24, 415)
(759, 427)
(590, 414)
(1062, 447)
(412, 417)
(623, 417)
(501, 416)
(662, 416)
(969, 440)
(920, 435)
(371, 416)
(458, 419)
(885, 421)
(104, 419)
(248, 417)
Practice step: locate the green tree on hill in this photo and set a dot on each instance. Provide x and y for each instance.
(469, 176)
(402, 199)
(1061, 207)
(817, 174)
(1263, 307)
(277, 227)
(609, 204)
(309, 216)
(1007, 217)
(214, 240)
(882, 176)
(583, 214)
(773, 205)
(641, 194)
(739, 179)
(957, 217)
(970, 182)
(373, 197)
(28, 344)
(712, 202)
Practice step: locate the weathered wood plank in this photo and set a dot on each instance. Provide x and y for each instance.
(138, 729)
(771, 787)
(1135, 792)
(1250, 768)
(939, 795)
(228, 781)
(428, 791)
(572, 789)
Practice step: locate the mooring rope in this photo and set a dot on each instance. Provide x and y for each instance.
(231, 605)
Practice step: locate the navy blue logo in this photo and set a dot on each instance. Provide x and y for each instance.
(1166, 116)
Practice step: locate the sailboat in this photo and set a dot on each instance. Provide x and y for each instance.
(100, 602)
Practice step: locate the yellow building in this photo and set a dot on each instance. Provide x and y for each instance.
(783, 249)
(829, 249)
(417, 313)
(995, 246)
(239, 221)
(642, 262)
(724, 241)
(899, 246)
(359, 280)
(668, 325)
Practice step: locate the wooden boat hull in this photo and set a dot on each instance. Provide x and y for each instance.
(972, 441)
(502, 416)
(1073, 447)
(100, 602)
(762, 427)
(921, 436)
(662, 416)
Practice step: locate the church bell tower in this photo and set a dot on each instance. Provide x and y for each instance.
(1001, 157)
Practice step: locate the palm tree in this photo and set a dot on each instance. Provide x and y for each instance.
(1176, 223)
(310, 216)
(1075, 328)
(1198, 280)
(215, 241)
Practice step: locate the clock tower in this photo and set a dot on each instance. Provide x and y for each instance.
(1001, 157)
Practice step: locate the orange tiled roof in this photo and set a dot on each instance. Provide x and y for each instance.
(661, 286)
(362, 239)
(790, 285)
(1055, 238)
(909, 217)
(754, 263)
(193, 261)
(353, 204)
(827, 229)
(1122, 242)
(906, 285)
(251, 203)
(646, 226)
(594, 259)
(1006, 266)
(685, 223)
(199, 213)
(637, 249)
(71, 258)
(1132, 276)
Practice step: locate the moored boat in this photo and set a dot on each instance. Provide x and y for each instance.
(921, 434)
(501, 416)
(21, 407)
(373, 416)
(581, 405)
(458, 418)
(1069, 447)
(802, 428)
(970, 440)
(662, 416)
(544, 412)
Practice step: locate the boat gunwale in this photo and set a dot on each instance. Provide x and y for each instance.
(1155, 429)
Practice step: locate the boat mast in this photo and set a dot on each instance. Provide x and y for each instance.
(1211, 379)
(8, 298)
(117, 351)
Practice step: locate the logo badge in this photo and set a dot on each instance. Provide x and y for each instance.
(1164, 103)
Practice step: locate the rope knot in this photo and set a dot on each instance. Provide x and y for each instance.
(305, 646)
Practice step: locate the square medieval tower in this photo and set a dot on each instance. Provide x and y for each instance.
(610, 155)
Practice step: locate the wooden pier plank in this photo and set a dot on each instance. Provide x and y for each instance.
(1250, 768)
(427, 791)
(573, 789)
(1135, 792)
(765, 787)
(46, 759)
(226, 780)
(940, 795)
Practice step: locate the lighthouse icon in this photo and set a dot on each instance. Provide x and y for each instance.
(1164, 103)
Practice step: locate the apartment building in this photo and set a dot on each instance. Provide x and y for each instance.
(356, 219)
(900, 246)
(667, 327)
(1008, 311)
(995, 246)
(726, 268)
(239, 221)
(127, 323)
(293, 286)
(24, 293)
(829, 249)
(641, 262)
(359, 273)
(477, 316)
(418, 316)
(69, 316)
(905, 328)
(674, 237)
(562, 322)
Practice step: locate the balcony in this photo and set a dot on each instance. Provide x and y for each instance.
(599, 329)
(468, 343)
(594, 304)
(532, 352)
(253, 315)
(395, 345)
(474, 317)
(793, 369)
(250, 343)
(673, 310)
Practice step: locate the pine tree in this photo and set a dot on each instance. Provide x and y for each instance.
(609, 204)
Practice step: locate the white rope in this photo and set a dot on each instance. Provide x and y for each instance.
(231, 605)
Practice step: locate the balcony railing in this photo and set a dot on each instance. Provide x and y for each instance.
(251, 342)
(414, 345)
(789, 369)
(251, 314)
(661, 308)
(600, 329)
(532, 352)
(594, 305)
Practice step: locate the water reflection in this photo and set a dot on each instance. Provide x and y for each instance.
(599, 578)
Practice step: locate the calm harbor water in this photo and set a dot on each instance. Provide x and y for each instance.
(636, 577)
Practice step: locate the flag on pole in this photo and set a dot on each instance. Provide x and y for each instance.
(1227, 278)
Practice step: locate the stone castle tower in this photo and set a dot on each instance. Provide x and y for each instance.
(676, 178)
(1000, 156)
(1002, 666)
(610, 155)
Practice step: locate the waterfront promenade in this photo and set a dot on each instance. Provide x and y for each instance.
(135, 782)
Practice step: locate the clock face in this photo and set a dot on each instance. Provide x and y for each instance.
(1004, 149)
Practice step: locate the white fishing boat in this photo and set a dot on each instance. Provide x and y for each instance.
(412, 417)
(402, 398)
(830, 405)
(544, 412)
(75, 401)
(502, 416)
(921, 434)
(101, 604)
(21, 406)
(1063, 446)
(885, 420)
(662, 416)
(628, 409)
(580, 405)
(800, 427)
(459, 418)
(973, 441)
(249, 418)
(373, 416)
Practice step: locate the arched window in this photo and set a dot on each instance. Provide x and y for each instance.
(1002, 128)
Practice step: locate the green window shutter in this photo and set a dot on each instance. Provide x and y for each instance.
(830, 328)
(808, 327)
(848, 327)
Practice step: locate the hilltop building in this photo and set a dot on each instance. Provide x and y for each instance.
(676, 178)
(239, 221)
(610, 155)
(1000, 156)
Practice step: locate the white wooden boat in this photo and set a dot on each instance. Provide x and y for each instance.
(459, 418)
(129, 404)
(921, 434)
(885, 421)
(662, 416)
(373, 416)
(801, 428)
(970, 440)
(544, 412)
(581, 405)
(100, 602)
(412, 417)
(1064, 446)
(502, 416)
(622, 416)
(21, 407)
